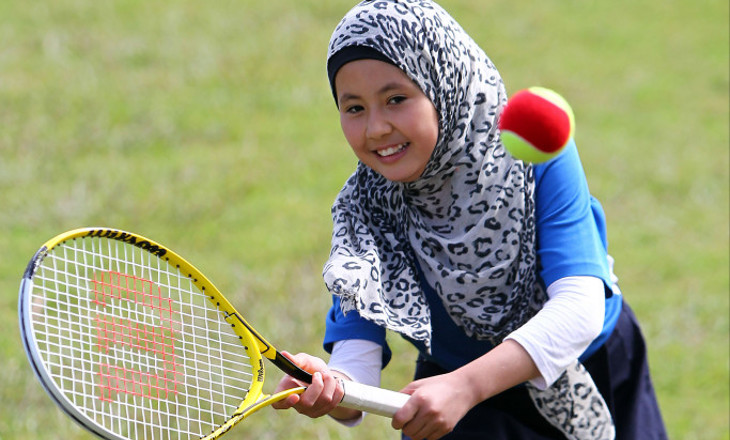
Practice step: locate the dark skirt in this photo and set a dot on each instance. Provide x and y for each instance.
(620, 370)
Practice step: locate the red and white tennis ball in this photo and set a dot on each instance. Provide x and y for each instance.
(536, 124)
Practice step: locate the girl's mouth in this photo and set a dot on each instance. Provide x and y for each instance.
(385, 152)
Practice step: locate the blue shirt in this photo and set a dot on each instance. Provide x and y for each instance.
(571, 241)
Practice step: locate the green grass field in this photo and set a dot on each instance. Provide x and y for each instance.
(210, 127)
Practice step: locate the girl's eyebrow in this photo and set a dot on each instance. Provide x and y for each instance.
(346, 97)
(389, 86)
(394, 85)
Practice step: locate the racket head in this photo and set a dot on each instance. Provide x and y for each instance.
(132, 341)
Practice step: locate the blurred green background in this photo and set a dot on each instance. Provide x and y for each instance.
(209, 126)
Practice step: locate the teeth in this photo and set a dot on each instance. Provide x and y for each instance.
(392, 150)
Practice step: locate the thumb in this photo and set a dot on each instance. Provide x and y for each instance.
(306, 362)
(301, 360)
(410, 388)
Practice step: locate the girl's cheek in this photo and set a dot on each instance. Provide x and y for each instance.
(350, 130)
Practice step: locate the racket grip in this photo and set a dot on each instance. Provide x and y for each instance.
(372, 399)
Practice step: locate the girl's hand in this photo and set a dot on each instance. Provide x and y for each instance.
(321, 396)
(436, 405)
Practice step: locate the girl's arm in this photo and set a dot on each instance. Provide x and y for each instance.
(568, 322)
(538, 352)
(361, 361)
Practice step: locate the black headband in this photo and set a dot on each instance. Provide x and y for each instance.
(351, 53)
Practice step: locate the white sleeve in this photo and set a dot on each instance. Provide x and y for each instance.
(567, 324)
(361, 361)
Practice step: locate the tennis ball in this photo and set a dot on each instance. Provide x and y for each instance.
(536, 124)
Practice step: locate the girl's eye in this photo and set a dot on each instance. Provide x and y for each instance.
(396, 99)
(353, 109)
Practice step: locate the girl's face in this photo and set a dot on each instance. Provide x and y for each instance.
(388, 121)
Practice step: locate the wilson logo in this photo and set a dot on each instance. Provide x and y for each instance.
(261, 371)
(128, 238)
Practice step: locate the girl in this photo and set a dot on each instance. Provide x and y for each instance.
(496, 270)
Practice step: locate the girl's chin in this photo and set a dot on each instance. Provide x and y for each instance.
(401, 176)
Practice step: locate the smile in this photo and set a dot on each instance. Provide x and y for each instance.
(385, 152)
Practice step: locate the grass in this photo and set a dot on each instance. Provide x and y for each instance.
(210, 127)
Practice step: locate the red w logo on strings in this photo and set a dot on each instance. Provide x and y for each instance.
(138, 299)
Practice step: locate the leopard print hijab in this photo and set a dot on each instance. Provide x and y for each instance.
(468, 222)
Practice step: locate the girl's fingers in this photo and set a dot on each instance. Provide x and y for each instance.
(314, 390)
(404, 415)
(324, 396)
(320, 397)
(287, 403)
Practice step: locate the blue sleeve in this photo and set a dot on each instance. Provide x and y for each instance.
(571, 232)
(571, 227)
(352, 326)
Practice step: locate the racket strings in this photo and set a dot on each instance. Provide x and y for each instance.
(133, 343)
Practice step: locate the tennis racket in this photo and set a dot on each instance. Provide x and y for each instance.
(133, 342)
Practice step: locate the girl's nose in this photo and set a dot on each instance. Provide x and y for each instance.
(378, 125)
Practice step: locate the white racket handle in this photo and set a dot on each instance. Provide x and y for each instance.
(371, 399)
